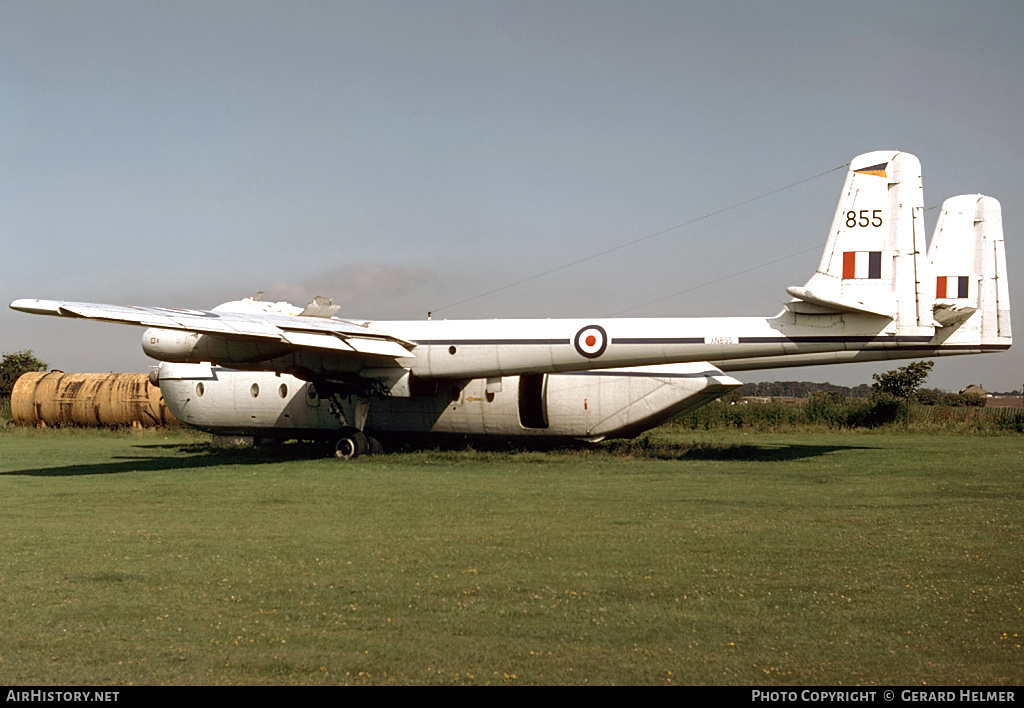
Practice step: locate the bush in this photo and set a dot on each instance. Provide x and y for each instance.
(831, 410)
(740, 414)
(881, 410)
(834, 410)
(959, 400)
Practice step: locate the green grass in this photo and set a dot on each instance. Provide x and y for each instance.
(688, 558)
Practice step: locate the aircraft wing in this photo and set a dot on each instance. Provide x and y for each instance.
(300, 331)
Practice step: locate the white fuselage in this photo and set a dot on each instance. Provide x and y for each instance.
(586, 406)
(465, 349)
(490, 347)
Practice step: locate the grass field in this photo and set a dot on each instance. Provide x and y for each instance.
(691, 558)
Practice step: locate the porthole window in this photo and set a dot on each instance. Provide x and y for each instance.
(311, 392)
(282, 390)
(200, 389)
(254, 390)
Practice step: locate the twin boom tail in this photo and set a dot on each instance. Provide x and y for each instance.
(879, 292)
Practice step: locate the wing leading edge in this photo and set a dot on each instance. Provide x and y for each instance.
(295, 330)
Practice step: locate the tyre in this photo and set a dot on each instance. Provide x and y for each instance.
(375, 447)
(351, 444)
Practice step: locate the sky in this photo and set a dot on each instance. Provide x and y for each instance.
(406, 157)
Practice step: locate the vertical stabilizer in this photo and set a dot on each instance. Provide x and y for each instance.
(971, 288)
(874, 260)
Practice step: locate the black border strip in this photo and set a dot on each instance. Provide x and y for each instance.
(482, 342)
(837, 339)
(922, 343)
(640, 374)
(658, 340)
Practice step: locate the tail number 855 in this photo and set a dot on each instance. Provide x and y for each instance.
(861, 218)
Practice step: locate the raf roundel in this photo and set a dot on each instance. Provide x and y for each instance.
(591, 341)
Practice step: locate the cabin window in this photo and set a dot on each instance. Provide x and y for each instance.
(533, 405)
(200, 389)
(282, 390)
(254, 390)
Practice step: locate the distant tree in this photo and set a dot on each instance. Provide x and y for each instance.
(14, 365)
(861, 391)
(903, 382)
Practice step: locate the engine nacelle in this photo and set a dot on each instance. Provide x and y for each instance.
(170, 345)
(192, 348)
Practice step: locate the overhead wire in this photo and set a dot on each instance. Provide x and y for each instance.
(736, 274)
(636, 241)
(816, 247)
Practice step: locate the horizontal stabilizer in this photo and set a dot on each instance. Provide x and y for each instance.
(833, 305)
(950, 315)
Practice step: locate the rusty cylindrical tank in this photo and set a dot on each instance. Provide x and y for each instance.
(88, 399)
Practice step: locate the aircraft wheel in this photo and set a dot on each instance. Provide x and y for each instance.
(375, 447)
(353, 444)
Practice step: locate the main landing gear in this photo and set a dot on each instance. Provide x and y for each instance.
(351, 408)
(354, 442)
